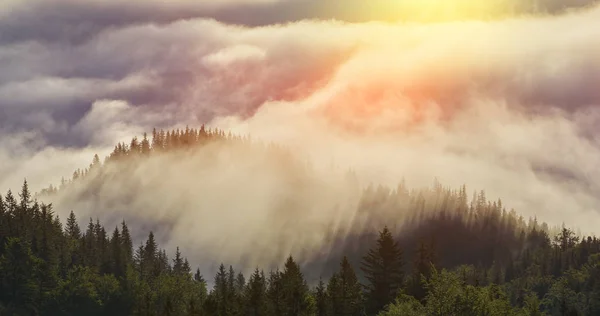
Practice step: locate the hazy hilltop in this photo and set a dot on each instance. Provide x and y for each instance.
(224, 198)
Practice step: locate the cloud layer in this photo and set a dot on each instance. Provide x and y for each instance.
(510, 105)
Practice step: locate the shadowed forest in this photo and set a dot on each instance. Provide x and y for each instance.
(432, 251)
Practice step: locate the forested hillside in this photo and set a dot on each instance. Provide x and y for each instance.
(397, 251)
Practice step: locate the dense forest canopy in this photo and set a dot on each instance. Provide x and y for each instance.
(405, 252)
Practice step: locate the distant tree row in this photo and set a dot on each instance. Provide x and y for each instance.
(161, 142)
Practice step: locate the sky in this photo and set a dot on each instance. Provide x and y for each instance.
(502, 97)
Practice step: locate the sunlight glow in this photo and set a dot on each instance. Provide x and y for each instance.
(440, 10)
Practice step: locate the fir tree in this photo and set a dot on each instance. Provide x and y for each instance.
(198, 276)
(321, 298)
(344, 291)
(220, 292)
(126, 243)
(293, 289)
(18, 271)
(255, 296)
(117, 257)
(382, 267)
(72, 228)
(422, 267)
(178, 263)
(150, 258)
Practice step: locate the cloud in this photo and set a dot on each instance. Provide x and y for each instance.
(75, 21)
(506, 105)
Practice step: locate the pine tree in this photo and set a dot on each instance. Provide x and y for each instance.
(134, 146)
(4, 228)
(103, 248)
(220, 291)
(232, 296)
(138, 260)
(255, 296)
(162, 263)
(150, 259)
(322, 300)
(49, 254)
(294, 289)
(198, 277)
(382, 267)
(187, 270)
(72, 228)
(422, 267)
(25, 196)
(178, 263)
(22, 212)
(275, 293)
(118, 266)
(18, 271)
(126, 243)
(344, 291)
(145, 145)
(10, 203)
(90, 248)
(95, 163)
(240, 283)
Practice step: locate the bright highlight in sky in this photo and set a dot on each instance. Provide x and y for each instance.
(439, 10)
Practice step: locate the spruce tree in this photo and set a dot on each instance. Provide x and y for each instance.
(344, 292)
(150, 258)
(117, 259)
(255, 295)
(4, 229)
(90, 248)
(187, 270)
(232, 298)
(321, 298)
(177, 263)
(424, 260)
(198, 276)
(49, 255)
(25, 196)
(72, 228)
(275, 293)
(126, 243)
(220, 291)
(382, 267)
(240, 283)
(18, 271)
(294, 289)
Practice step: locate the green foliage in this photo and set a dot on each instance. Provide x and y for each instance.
(295, 297)
(404, 306)
(448, 295)
(19, 271)
(255, 295)
(321, 299)
(424, 262)
(344, 293)
(82, 291)
(382, 267)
